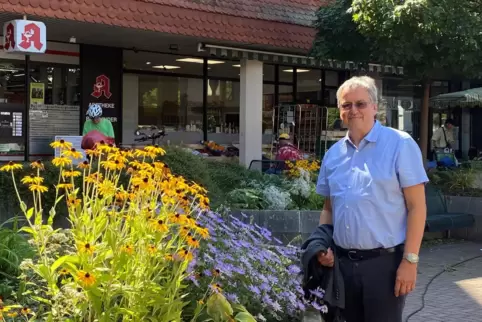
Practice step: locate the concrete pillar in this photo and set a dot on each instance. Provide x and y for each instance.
(251, 111)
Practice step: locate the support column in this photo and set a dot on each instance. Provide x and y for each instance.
(251, 111)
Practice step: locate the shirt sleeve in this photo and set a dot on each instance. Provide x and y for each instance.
(85, 130)
(322, 186)
(410, 165)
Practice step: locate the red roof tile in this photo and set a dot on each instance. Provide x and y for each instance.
(262, 22)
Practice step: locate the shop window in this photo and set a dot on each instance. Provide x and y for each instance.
(173, 103)
(285, 94)
(163, 63)
(224, 68)
(268, 108)
(331, 78)
(223, 106)
(269, 73)
(308, 86)
(286, 74)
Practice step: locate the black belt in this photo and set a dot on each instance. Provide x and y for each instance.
(361, 254)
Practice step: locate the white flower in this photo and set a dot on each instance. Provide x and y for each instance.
(276, 198)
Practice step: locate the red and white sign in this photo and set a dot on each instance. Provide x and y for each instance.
(25, 36)
(102, 87)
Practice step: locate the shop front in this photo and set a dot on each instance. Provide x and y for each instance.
(225, 85)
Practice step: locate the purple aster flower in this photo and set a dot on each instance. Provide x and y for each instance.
(319, 293)
(319, 307)
(193, 279)
(294, 269)
(254, 289)
(276, 307)
(233, 298)
(265, 287)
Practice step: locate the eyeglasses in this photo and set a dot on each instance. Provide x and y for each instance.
(359, 105)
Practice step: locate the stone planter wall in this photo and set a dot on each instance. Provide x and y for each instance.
(469, 205)
(289, 225)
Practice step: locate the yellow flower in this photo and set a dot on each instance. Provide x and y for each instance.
(25, 311)
(83, 165)
(93, 153)
(64, 272)
(152, 249)
(184, 254)
(37, 165)
(203, 232)
(38, 188)
(61, 161)
(106, 188)
(61, 145)
(94, 178)
(159, 225)
(66, 186)
(32, 179)
(169, 257)
(128, 249)
(72, 153)
(177, 218)
(70, 174)
(216, 288)
(12, 314)
(86, 278)
(73, 202)
(112, 165)
(11, 167)
(86, 248)
(193, 242)
(105, 147)
(141, 153)
(155, 149)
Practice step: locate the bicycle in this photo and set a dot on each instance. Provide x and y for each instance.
(155, 137)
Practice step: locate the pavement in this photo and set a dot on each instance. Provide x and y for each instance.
(456, 294)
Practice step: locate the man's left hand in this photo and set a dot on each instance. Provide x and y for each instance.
(406, 278)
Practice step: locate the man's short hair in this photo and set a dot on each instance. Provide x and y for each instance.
(365, 82)
(449, 121)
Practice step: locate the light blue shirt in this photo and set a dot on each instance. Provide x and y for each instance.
(365, 187)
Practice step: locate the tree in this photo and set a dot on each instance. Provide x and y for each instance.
(429, 38)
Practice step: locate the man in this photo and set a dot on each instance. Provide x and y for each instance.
(96, 122)
(443, 137)
(286, 150)
(373, 181)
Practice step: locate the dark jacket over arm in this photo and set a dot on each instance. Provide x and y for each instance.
(315, 275)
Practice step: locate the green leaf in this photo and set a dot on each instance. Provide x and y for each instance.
(218, 307)
(59, 262)
(51, 216)
(244, 317)
(29, 213)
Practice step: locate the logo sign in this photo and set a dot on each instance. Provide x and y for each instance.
(102, 87)
(25, 36)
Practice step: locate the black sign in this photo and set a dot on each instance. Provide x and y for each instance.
(101, 69)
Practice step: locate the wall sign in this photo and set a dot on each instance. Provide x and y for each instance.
(25, 36)
(102, 82)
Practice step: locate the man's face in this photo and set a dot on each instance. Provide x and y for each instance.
(449, 126)
(96, 120)
(356, 108)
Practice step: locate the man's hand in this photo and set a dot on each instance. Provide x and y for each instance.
(406, 278)
(326, 259)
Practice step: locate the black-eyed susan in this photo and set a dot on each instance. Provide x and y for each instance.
(86, 278)
(72, 201)
(38, 188)
(177, 218)
(203, 232)
(61, 144)
(193, 242)
(128, 249)
(152, 249)
(70, 174)
(93, 152)
(109, 165)
(11, 166)
(185, 254)
(65, 186)
(12, 314)
(141, 153)
(185, 232)
(155, 149)
(160, 225)
(32, 179)
(25, 311)
(86, 248)
(64, 272)
(216, 288)
(83, 165)
(94, 178)
(106, 188)
(72, 153)
(61, 161)
(38, 164)
(169, 257)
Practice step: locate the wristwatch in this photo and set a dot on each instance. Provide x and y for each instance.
(411, 258)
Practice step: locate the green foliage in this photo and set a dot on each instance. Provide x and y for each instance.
(459, 182)
(337, 35)
(430, 38)
(14, 248)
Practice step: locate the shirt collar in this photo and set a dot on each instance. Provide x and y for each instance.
(372, 136)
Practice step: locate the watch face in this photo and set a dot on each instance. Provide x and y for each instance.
(412, 258)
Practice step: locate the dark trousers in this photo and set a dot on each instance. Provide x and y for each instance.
(369, 288)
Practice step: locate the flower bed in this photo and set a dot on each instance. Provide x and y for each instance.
(142, 245)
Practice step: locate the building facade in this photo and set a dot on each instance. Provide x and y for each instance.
(210, 70)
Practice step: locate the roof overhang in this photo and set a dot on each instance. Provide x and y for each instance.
(236, 53)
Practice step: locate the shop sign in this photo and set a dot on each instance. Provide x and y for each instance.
(25, 36)
(101, 81)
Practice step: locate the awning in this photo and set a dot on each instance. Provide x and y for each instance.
(468, 98)
(292, 59)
